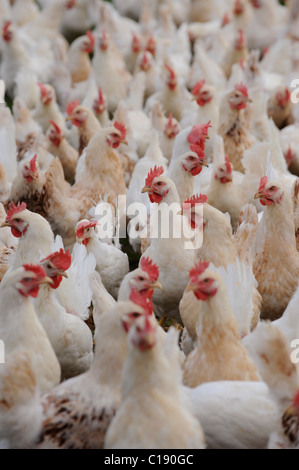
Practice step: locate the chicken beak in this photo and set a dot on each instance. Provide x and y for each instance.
(147, 189)
(124, 142)
(190, 287)
(204, 163)
(5, 224)
(258, 195)
(63, 274)
(194, 98)
(156, 285)
(70, 117)
(46, 280)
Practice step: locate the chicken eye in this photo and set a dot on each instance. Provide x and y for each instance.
(135, 314)
(27, 279)
(140, 278)
(273, 188)
(115, 135)
(206, 281)
(159, 183)
(18, 220)
(191, 158)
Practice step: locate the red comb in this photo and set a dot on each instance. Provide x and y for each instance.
(152, 174)
(238, 7)
(71, 106)
(119, 126)
(83, 225)
(141, 300)
(101, 97)
(198, 269)
(242, 88)
(296, 399)
(240, 41)
(264, 181)
(196, 199)
(33, 164)
(198, 134)
(36, 269)
(228, 164)
(20, 207)
(197, 87)
(198, 149)
(135, 43)
(90, 37)
(151, 269)
(6, 26)
(61, 259)
(171, 71)
(57, 128)
(43, 89)
(289, 155)
(225, 19)
(151, 45)
(283, 98)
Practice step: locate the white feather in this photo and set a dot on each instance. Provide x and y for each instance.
(75, 293)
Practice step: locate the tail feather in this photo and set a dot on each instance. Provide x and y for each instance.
(75, 293)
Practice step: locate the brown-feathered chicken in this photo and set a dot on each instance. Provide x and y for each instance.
(59, 147)
(237, 52)
(219, 353)
(276, 259)
(28, 186)
(280, 107)
(86, 122)
(78, 57)
(233, 125)
(102, 174)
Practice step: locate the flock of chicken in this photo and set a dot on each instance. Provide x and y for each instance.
(183, 105)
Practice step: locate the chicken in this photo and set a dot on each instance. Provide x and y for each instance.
(102, 174)
(224, 194)
(169, 248)
(149, 383)
(185, 168)
(110, 71)
(205, 109)
(171, 96)
(234, 414)
(233, 126)
(28, 186)
(91, 399)
(219, 353)
(59, 147)
(20, 328)
(86, 122)
(34, 232)
(276, 285)
(100, 108)
(47, 109)
(236, 53)
(20, 409)
(167, 129)
(78, 57)
(112, 263)
(70, 337)
(271, 352)
(292, 160)
(280, 107)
